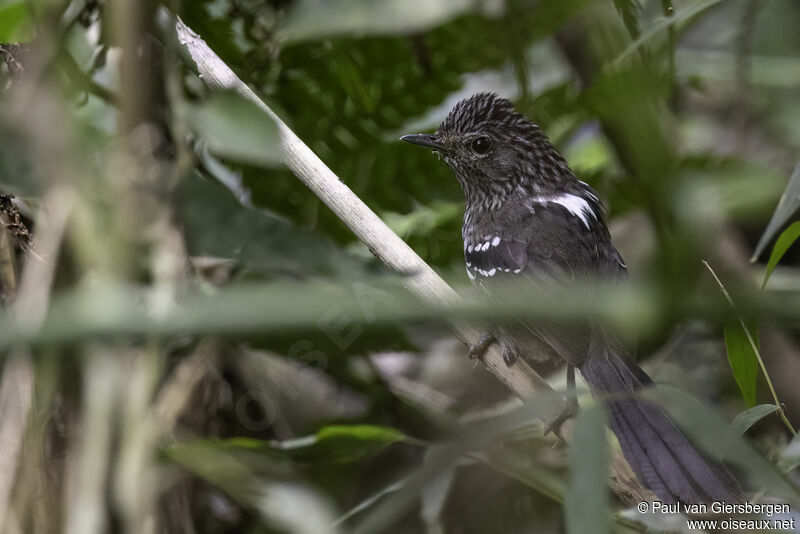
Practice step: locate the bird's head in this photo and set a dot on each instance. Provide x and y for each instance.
(492, 148)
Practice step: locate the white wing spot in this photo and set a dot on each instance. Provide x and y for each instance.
(496, 241)
(469, 273)
(594, 197)
(469, 248)
(491, 273)
(578, 206)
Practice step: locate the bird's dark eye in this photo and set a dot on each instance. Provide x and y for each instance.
(481, 145)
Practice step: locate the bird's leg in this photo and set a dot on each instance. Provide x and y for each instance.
(570, 408)
(510, 353)
(479, 349)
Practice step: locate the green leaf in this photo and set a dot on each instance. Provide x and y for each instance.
(424, 219)
(743, 360)
(311, 19)
(742, 422)
(215, 224)
(15, 22)
(787, 207)
(586, 506)
(332, 444)
(786, 240)
(237, 128)
(340, 443)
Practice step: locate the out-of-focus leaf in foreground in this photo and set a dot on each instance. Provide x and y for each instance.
(258, 479)
(586, 506)
(434, 497)
(15, 21)
(318, 18)
(790, 457)
(236, 128)
(743, 421)
(340, 443)
(234, 471)
(786, 240)
(332, 443)
(215, 224)
(742, 359)
(295, 508)
(787, 207)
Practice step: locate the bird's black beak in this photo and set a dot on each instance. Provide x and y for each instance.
(426, 140)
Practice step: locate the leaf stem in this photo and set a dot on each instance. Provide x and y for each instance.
(747, 333)
(669, 11)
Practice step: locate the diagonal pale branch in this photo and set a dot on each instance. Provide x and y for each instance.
(419, 278)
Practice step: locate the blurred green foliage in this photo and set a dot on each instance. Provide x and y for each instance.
(15, 21)
(206, 305)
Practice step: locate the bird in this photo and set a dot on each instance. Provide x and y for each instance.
(528, 218)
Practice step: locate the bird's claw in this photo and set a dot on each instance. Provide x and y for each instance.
(568, 411)
(479, 349)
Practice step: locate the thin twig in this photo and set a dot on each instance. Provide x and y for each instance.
(84, 81)
(668, 10)
(755, 349)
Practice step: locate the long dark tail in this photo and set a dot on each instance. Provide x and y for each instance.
(661, 456)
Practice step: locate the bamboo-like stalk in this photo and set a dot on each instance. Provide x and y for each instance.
(418, 277)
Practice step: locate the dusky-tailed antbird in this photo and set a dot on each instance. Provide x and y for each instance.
(528, 218)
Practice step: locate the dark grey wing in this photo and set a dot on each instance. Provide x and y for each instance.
(551, 248)
(495, 256)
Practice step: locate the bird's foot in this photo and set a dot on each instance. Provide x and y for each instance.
(479, 349)
(509, 354)
(568, 411)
